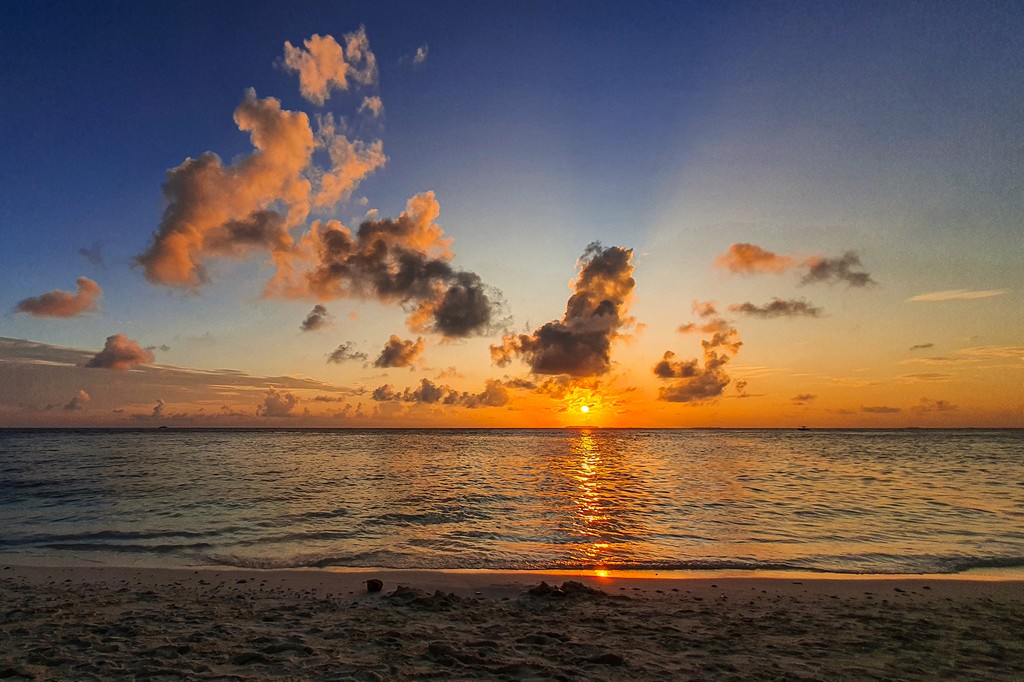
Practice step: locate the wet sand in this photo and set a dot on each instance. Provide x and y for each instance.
(109, 623)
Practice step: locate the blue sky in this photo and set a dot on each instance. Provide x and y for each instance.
(676, 129)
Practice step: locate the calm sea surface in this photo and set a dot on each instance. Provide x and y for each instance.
(841, 501)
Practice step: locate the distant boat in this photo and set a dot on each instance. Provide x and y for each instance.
(803, 428)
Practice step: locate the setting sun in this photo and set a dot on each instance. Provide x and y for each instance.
(584, 408)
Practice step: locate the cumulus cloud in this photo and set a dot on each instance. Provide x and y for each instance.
(921, 346)
(421, 54)
(494, 394)
(372, 105)
(711, 321)
(326, 65)
(318, 318)
(399, 353)
(778, 308)
(79, 402)
(58, 303)
(957, 295)
(696, 380)
(405, 260)
(748, 258)
(580, 343)
(832, 270)
(344, 352)
(226, 210)
(880, 409)
(351, 161)
(120, 352)
(277, 403)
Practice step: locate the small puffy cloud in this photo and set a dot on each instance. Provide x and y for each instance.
(344, 352)
(494, 394)
(327, 65)
(880, 409)
(778, 308)
(58, 303)
(277, 403)
(372, 105)
(694, 381)
(928, 405)
(580, 343)
(748, 258)
(803, 398)
(957, 295)
(921, 346)
(120, 352)
(421, 54)
(318, 318)
(351, 161)
(832, 270)
(400, 353)
(79, 402)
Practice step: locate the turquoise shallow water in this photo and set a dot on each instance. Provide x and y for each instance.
(836, 501)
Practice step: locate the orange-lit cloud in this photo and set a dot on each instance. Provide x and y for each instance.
(881, 409)
(403, 260)
(752, 258)
(695, 381)
(372, 105)
(120, 352)
(778, 308)
(351, 162)
(580, 343)
(218, 210)
(326, 65)
(79, 402)
(277, 403)
(59, 303)
(399, 353)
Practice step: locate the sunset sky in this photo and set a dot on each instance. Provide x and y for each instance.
(495, 214)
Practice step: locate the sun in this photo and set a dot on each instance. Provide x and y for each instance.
(584, 408)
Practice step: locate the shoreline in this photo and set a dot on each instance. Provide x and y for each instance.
(89, 622)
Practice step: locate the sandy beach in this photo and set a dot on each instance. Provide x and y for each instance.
(104, 623)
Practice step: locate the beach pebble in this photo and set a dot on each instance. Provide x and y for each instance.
(374, 585)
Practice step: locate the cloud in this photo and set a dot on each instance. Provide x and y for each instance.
(351, 162)
(928, 405)
(326, 65)
(218, 210)
(957, 295)
(495, 394)
(399, 353)
(695, 382)
(318, 318)
(580, 343)
(994, 352)
(403, 260)
(749, 258)
(344, 353)
(373, 105)
(277, 403)
(712, 324)
(59, 303)
(832, 270)
(803, 398)
(421, 54)
(93, 254)
(120, 352)
(921, 346)
(927, 376)
(79, 402)
(778, 308)
(881, 409)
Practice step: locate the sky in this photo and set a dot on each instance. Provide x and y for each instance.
(531, 214)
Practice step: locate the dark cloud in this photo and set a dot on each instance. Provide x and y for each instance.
(928, 405)
(803, 398)
(778, 308)
(120, 352)
(922, 346)
(695, 381)
(344, 353)
(495, 394)
(318, 318)
(712, 322)
(580, 343)
(880, 409)
(831, 270)
(399, 353)
(78, 402)
(93, 254)
(59, 303)
(163, 348)
(277, 403)
(405, 260)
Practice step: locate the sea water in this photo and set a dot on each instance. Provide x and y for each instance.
(836, 501)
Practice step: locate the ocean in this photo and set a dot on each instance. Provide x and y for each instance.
(914, 501)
